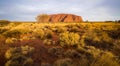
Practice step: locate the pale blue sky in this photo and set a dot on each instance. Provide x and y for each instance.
(27, 10)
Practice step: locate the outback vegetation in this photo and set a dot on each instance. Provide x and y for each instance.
(59, 44)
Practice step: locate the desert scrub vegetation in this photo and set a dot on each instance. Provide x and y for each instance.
(48, 34)
(116, 48)
(71, 53)
(97, 57)
(60, 44)
(64, 62)
(115, 34)
(99, 39)
(4, 22)
(19, 56)
(12, 33)
(56, 51)
(2, 30)
(60, 29)
(42, 18)
(106, 58)
(69, 39)
(39, 33)
(74, 29)
(47, 41)
(10, 40)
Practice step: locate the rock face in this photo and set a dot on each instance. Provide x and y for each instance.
(62, 18)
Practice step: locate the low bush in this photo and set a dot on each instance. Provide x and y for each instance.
(116, 48)
(47, 42)
(19, 60)
(56, 51)
(64, 62)
(96, 57)
(92, 51)
(74, 29)
(71, 53)
(61, 29)
(48, 34)
(19, 56)
(11, 40)
(12, 33)
(98, 39)
(2, 30)
(106, 59)
(69, 39)
(39, 33)
(2, 39)
(4, 22)
(115, 34)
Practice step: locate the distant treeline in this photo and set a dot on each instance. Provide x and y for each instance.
(113, 21)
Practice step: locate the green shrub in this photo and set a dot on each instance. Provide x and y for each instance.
(39, 33)
(12, 33)
(69, 39)
(27, 37)
(48, 34)
(4, 22)
(74, 29)
(97, 57)
(20, 60)
(23, 50)
(26, 50)
(2, 40)
(42, 18)
(115, 34)
(79, 26)
(92, 51)
(116, 48)
(98, 39)
(82, 62)
(24, 31)
(11, 40)
(71, 53)
(56, 51)
(2, 30)
(19, 56)
(47, 42)
(106, 59)
(61, 29)
(64, 62)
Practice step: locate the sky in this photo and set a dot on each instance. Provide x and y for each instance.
(91, 10)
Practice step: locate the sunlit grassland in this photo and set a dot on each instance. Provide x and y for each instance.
(70, 44)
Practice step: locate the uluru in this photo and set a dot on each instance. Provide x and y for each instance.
(59, 18)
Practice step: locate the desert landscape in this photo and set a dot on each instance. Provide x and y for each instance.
(59, 33)
(60, 40)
